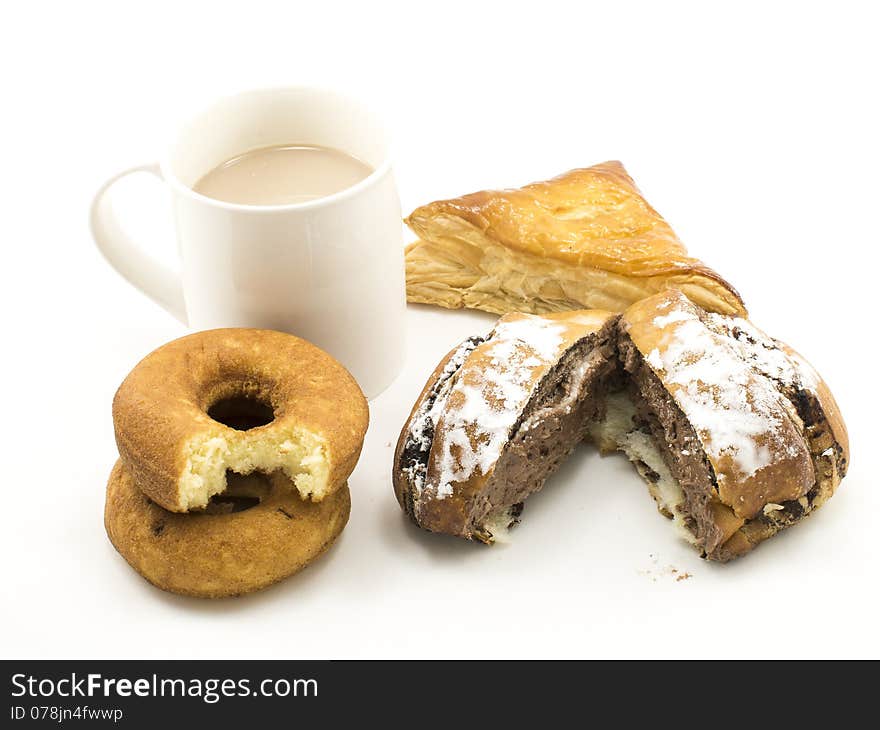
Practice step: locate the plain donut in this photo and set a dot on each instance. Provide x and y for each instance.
(221, 552)
(301, 412)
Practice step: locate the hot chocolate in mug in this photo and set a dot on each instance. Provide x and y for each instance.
(329, 270)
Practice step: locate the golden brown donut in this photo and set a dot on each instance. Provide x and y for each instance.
(239, 400)
(222, 552)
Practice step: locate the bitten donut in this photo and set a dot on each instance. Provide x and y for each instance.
(257, 533)
(237, 400)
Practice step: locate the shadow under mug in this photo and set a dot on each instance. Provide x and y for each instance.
(328, 270)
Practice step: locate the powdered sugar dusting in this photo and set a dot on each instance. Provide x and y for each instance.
(807, 377)
(673, 316)
(654, 360)
(765, 354)
(736, 413)
(484, 405)
(421, 430)
(543, 337)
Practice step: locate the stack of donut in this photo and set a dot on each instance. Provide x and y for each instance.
(235, 448)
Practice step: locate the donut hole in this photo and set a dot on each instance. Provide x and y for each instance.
(224, 504)
(243, 492)
(242, 412)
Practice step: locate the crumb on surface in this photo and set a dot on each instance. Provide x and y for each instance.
(656, 571)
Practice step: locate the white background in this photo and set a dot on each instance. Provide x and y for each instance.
(754, 131)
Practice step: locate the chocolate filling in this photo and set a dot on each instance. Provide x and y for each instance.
(565, 402)
(657, 413)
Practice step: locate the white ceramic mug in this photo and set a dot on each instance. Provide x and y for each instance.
(328, 270)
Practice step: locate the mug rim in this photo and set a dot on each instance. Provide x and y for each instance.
(379, 172)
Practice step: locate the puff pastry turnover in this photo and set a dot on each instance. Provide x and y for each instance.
(584, 240)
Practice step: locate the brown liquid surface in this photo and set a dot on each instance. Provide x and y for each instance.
(282, 174)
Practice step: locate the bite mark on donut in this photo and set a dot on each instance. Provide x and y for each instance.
(302, 455)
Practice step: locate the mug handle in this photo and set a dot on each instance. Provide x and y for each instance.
(159, 283)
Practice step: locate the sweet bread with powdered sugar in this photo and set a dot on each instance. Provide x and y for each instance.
(497, 417)
(734, 432)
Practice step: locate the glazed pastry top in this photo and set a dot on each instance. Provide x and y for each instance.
(584, 239)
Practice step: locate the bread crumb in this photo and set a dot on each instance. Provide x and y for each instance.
(388, 444)
(657, 571)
